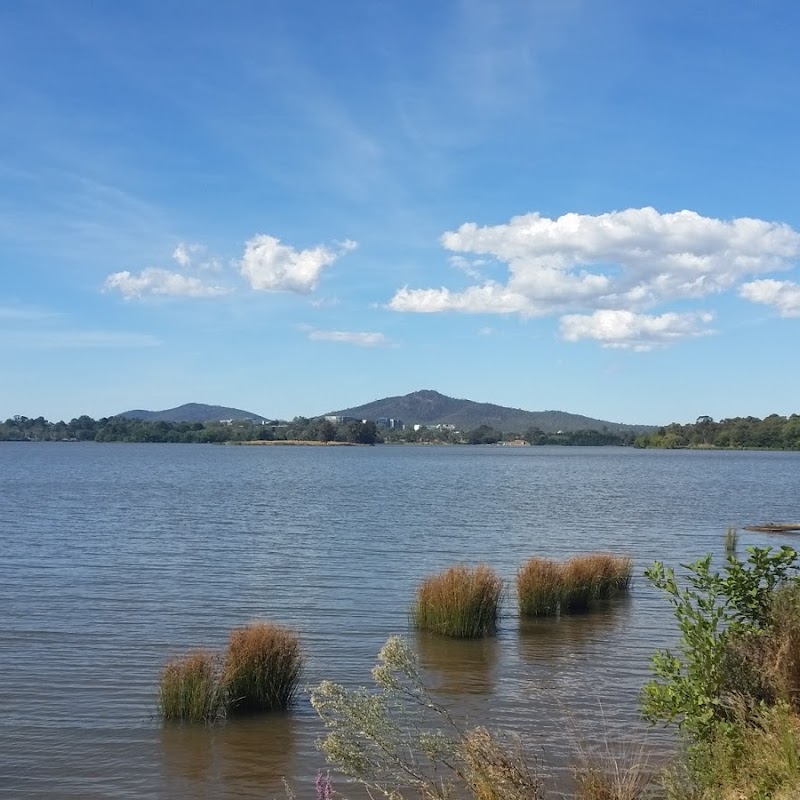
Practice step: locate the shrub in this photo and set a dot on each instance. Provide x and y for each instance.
(461, 602)
(188, 688)
(399, 742)
(540, 582)
(263, 663)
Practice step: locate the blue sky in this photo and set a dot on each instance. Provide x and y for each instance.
(294, 207)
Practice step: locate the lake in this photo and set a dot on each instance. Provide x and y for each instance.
(117, 556)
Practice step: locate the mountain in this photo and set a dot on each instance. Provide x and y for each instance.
(192, 412)
(427, 407)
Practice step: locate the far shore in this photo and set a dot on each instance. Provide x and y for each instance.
(298, 443)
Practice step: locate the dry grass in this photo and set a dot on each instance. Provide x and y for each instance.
(497, 771)
(593, 577)
(758, 760)
(540, 582)
(782, 662)
(188, 688)
(461, 602)
(263, 663)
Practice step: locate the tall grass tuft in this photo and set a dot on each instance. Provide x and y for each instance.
(461, 602)
(731, 542)
(593, 577)
(189, 690)
(263, 663)
(540, 582)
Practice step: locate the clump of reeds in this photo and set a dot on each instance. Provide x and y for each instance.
(731, 542)
(461, 602)
(189, 688)
(263, 663)
(586, 579)
(540, 583)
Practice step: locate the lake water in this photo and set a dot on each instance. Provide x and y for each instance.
(115, 557)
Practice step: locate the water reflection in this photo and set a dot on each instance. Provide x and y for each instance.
(549, 638)
(458, 666)
(242, 758)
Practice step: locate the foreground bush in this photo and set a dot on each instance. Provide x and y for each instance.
(461, 602)
(400, 743)
(263, 663)
(189, 690)
(732, 687)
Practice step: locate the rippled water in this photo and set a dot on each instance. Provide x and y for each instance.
(115, 557)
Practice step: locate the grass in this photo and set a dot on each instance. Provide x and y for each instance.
(540, 583)
(758, 759)
(731, 541)
(263, 664)
(461, 602)
(188, 689)
(593, 577)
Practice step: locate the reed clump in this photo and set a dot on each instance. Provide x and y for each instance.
(540, 585)
(546, 587)
(731, 542)
(188, 689)
(461, 602)
(263, 663)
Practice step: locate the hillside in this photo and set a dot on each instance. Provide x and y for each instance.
(428, 407)
(192, 412)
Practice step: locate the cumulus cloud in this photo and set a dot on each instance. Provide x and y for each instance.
(626, 330)
(154, 282)
(782, 295)
(590, 267)
(359, 338)
(624, 259)
(270, 266)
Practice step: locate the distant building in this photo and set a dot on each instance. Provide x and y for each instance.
(340, 420)
(389, 422)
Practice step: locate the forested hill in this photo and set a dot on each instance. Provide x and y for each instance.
(192, 412)
(427, 407)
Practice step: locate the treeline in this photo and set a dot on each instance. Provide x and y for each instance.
(124, 429)
(772, 433)
(319, 429)
(485, 434)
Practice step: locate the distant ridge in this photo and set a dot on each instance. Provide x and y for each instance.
(192, 412)
(428, 407)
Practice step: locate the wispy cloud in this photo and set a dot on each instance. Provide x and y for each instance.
(358, 338)
(155, 282)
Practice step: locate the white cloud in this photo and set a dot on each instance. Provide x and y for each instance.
(783, 295)
(490, 298)
(193, 256)
(359, 338)
(154, 282)
(635, 258)
(270, 266)
(604, 270)
(623, 329)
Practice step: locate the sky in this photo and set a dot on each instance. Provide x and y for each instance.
(297, 206)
